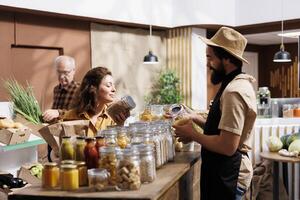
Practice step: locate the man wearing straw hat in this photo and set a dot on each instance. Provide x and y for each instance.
(226, 170)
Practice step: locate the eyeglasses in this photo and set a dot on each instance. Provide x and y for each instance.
(64, 73)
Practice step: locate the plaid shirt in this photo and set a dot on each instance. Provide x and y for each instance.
(63, 96)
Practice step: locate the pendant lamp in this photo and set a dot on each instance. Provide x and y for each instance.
(282, 55)
(150, 58)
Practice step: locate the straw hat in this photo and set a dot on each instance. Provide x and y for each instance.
(230, 40)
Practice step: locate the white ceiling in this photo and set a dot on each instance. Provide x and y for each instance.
(270, 38)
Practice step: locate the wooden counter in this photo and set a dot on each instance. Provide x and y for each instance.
(176, 180)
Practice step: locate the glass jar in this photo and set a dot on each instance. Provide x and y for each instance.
(50, 175)
(108, 161)
(147, 165)
(128, 170)
(138, 130)
(82, 173)
(287, 111)
(66, 149)
(296, 110)
(264, 102)
(98, 179)
(79, 148)
(122, 138)
(110, 136)
(69, 177)
(91, 153)
(100, 142)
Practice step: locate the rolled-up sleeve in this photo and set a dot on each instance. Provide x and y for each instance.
(233, 109)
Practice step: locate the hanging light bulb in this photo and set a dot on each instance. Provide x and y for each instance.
(150, 58)
(282, 55)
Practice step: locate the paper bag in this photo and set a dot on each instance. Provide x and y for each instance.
(54, 132)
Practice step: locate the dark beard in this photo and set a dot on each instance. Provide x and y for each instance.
(217, 76)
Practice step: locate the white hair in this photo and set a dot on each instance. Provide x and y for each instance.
(68, 60)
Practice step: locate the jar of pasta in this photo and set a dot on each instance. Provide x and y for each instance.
(108, 161)
(128, 170)
(122, 138)
(50, 175)
(69, 177)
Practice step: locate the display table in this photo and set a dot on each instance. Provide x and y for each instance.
(176, 180)
(276, 158)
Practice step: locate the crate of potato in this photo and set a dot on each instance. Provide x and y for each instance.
(13, 132)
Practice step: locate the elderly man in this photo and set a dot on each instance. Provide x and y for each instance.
(65, 90)
(226, 170)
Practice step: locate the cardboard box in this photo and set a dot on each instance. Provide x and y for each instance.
(11, 136)
(24, 173)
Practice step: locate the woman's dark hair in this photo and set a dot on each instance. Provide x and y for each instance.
(86, 98)
(222, 54)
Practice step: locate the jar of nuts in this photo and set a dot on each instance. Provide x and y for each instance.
(108, 161)
(128, 170)
(98, 179)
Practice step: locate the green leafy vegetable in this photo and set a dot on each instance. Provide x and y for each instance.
(24, 101)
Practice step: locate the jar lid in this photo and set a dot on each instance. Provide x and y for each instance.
(67, 162)
(97, 171)
(80, 163)
(99, 137)
(108, 132)
(67, 137)
(68, 166)
(89, 139)
(107, 149)
(129, 101)
(50, 164)
(80, 137)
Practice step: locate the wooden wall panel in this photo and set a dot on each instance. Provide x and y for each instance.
(6, 39)
(42, 36)
(281, 78)
(179, 52)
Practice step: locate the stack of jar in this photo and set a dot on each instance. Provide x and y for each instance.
(69, 175)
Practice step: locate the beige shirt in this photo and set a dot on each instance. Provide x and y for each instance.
(238, 108)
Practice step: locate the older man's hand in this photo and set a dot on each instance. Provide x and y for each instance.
(50, 114)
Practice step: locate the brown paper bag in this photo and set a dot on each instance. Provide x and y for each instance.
(53, 133)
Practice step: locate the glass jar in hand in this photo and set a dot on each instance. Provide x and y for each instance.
(91, 153)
